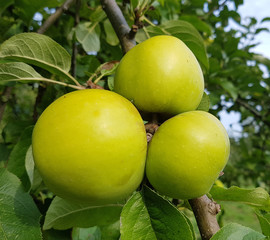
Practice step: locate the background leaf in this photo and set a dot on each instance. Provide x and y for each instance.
(16, 161)
(147, 215)
(234, 231)
(88, 35)
(205, 103)
(264, 219)
(19, 214)
(64, 214)
(111, 36)
(257, 197)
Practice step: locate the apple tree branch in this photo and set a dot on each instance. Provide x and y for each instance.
(118, 21)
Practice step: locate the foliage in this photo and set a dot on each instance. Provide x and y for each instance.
(234, 79)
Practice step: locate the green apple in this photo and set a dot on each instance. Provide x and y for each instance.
(90, 146)
(187, 154)
(160, 75)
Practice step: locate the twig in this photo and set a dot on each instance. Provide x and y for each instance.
(205, 211)
(253, 111)
(3, 100)
(119, 24)
(50, 21)
(74, 46)
(40, 93)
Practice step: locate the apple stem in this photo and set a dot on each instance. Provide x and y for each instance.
(205, 211)
(151, 127)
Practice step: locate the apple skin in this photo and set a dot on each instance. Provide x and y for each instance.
(160, 75)
(90, 146)
(187, 154)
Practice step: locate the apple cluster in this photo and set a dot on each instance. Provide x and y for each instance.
(90, 145)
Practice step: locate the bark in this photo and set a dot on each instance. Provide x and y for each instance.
(123, 31)
(205, 211)
(50, 21)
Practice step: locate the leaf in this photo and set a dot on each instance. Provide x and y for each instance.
(265, 19)
(15, 71)
(5, 4)
(264, 219)
(56, 235)
(64, 214)
(27, 8)
(39, 50)
(110, 232)
(234, 231)
(258, 30)
(111, 36)
(197, 23)
(205, 103)
(13, 130)
(30, 165)
(88, 35)
(92, 233)
(147, 215)
(257, 197)
(230, 88)
(19, 214)
(16, 162)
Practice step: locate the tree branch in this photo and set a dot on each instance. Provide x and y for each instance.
(253, 111)
(50, 21)
(74, 45)
(119, 24)
(205, 211)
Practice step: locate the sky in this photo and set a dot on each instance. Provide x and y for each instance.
(258, 9)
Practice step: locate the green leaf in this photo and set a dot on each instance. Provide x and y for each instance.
(15, 71)
(19, 216)
(264, 219)
(147, 215)
(110, 232)
(4, 4)
(111, 83)
(234, 231)
(111, 36)
(88, 35)
(257, 197)
(64, 214)
(27, 8)
(197, 23)
(92, 233)
(230, 88)
(56, 235)
(30, 165)
(13, 130)
(5, 151)
(16, 162)
(266, 19)
(205, 103)
(21, 72)
(39, 50)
